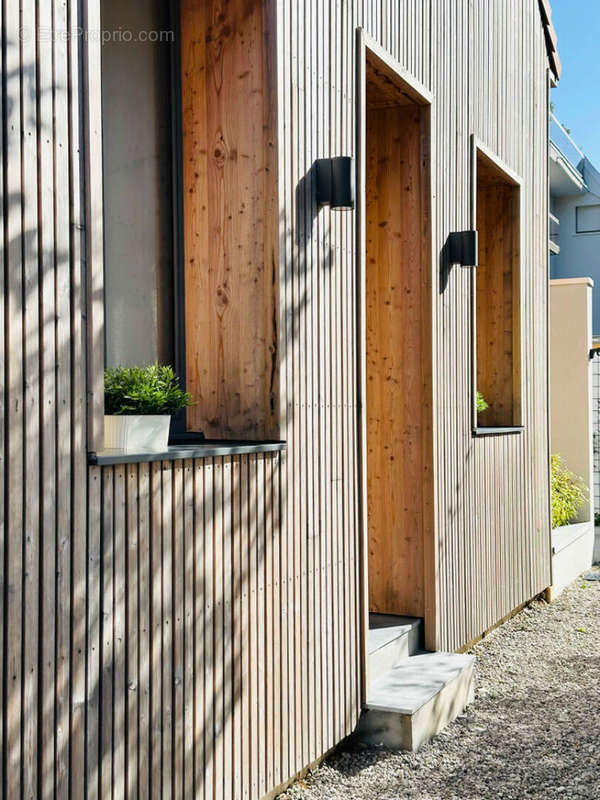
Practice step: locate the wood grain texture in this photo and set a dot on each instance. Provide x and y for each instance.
(396, 353)
(230, 217)
(498, 295)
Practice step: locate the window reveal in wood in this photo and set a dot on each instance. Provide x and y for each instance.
(498, 294)
(230, 217)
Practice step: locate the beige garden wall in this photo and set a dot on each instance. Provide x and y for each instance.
(571, 377)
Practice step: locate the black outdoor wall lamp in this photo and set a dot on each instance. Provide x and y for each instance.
(335, 182)
(463, 248)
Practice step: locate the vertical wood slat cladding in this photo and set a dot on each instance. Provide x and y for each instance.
(187, 564)
(44, 463)
(188, 575)
(103, 567)
(229, 200)
(492, 493)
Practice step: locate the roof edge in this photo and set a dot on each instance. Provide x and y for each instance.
(550, 38)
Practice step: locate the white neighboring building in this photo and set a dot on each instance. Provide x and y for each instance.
(575, 242)
(575, 206)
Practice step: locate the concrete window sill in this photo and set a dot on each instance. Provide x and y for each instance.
(499, 431)
(207, 449)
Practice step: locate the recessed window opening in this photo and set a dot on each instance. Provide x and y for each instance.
(138, 177)
(398, 320)
(498, 295)
(190, 204)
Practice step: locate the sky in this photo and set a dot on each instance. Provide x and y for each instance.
(577, 97)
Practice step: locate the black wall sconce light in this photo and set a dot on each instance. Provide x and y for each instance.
(335, 182)
(463, 248)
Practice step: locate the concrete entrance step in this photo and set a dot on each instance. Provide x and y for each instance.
(416, 699)
(391, 640)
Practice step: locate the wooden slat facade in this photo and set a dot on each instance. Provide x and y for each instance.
(195, 629)
(189, 573)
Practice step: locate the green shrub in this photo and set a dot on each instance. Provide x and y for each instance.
(568, 493)
(143, 390)
(481, 404)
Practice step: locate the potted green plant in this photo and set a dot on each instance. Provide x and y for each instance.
(138, 405)
(481, 403)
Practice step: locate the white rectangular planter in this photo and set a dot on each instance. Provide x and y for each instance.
(135, 433)
(572, 553)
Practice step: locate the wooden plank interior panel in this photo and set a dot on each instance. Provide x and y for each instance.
(498, 301)
(229, 230)
(394, 359)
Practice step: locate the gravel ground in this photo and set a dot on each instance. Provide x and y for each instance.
(532, 732)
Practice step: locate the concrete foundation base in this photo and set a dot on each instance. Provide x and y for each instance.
(416, 700)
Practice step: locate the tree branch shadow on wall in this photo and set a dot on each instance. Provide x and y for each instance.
(74, 727)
